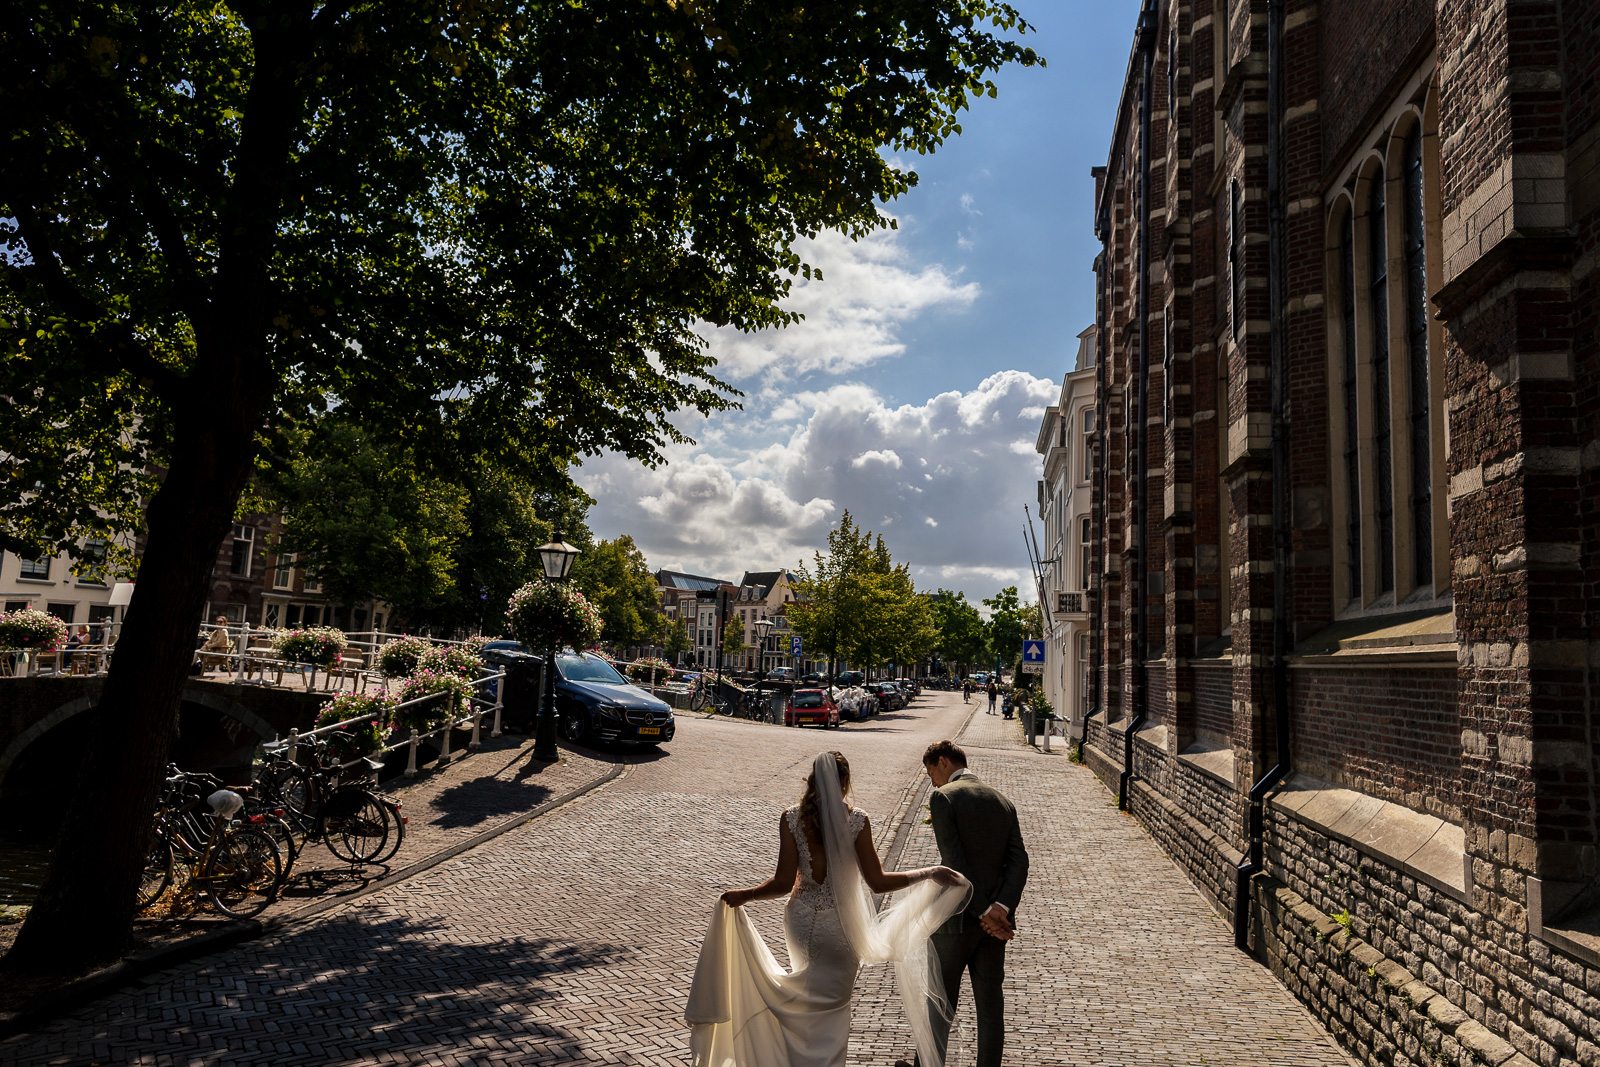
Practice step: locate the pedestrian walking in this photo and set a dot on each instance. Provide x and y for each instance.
(994, 694)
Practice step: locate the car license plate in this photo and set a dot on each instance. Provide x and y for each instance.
(649, 730)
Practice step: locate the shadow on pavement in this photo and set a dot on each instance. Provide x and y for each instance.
(373, 987)
(481, 799)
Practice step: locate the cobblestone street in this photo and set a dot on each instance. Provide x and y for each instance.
(573, 939)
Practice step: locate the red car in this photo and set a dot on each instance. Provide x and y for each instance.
(811, 706)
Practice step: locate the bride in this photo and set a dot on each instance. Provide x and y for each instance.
(747, 1011)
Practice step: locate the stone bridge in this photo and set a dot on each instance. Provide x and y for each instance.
(44, 730)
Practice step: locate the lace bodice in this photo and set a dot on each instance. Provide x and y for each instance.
(805, 885)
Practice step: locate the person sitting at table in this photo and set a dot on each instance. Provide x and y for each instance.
(218, 642)
(79, 638)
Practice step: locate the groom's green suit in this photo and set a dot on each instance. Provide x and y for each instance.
(979, 836)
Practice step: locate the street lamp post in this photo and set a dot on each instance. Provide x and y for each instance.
(763, 627)
(556, 557)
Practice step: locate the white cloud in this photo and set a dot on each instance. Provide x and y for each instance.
(759, 499)
(887, 456)
(967, 204)
(852, 317)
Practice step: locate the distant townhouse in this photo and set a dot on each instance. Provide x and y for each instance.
(1066, 441)
(681, 598)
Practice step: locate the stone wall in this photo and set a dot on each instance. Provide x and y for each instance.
(1191, 814)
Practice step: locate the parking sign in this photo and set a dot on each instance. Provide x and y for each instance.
(794, 644)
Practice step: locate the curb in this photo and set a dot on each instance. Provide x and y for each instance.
(137, 965)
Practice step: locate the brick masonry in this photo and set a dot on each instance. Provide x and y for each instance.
(1457, 677)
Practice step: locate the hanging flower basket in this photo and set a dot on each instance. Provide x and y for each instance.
(33, 630)
(401, 657)
(433, 713)
(319, 646)
(354, 739)
(546, 614)
(459, 660)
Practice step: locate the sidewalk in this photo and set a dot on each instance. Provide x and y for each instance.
(447, 807)
(1118, 960)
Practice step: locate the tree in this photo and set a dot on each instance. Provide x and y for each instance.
(361, 520)
(733, 643)
(829, 608)
(675, 641)
(962, 639)
(1009, 623)
(616, 578)
(473, 230)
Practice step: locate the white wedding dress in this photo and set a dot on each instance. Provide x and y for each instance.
(747, 1011)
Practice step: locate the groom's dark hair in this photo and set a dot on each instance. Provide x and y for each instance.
(944, 750)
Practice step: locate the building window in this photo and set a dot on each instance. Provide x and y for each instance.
(1083, 675)
(16, 605)
(1236, 258)
(270, 614)
(1088, 444)
(1086, 549)
(92, 564)
(243, 549)
(311, 585)
(37, 569)
(64, 612)
(1416, 253)
(283, 573)
(1351, 405)
(1378, 324)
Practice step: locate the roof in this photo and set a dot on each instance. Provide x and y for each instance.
(763, 579)
(679, 580)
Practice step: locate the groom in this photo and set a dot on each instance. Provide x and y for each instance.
(978, 835)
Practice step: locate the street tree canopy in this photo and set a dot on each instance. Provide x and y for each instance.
(616, 578)
(1010, 622)
(962, 639)
(475, 229)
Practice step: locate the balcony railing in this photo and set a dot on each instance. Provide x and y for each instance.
(1069, 603)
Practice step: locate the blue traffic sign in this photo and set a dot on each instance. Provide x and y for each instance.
(1033, 651)
(794, 644)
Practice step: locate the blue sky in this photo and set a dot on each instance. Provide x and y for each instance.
(913, 392)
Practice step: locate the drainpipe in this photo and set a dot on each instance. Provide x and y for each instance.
(1282, 630)
(1141, 692)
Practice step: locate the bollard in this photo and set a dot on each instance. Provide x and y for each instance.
(411, 757)
(475, 743)
(444, 746)
(294, 743)
(1047, 735)
(499, 693)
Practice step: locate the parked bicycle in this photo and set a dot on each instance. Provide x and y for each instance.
(339, 807)
(236, 867)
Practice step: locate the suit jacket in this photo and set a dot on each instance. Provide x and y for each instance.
(979, 836)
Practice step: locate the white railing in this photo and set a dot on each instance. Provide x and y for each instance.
(479, 705)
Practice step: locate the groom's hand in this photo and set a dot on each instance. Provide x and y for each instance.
(996, 923)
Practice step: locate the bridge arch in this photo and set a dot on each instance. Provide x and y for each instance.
(191, 695)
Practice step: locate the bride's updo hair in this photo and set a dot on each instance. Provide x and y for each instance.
(808, 802)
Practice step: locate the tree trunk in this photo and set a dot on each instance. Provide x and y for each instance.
(84, 914)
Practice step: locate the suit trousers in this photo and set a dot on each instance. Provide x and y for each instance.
(963, 946)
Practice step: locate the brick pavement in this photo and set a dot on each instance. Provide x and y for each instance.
(572, 940)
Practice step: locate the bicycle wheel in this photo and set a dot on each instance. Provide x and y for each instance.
(697, 700)
(355, 825)
(157, 874)
(397, 829)
(286, 786)
(243, 873)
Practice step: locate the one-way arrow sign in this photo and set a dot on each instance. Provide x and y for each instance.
(1032, 657)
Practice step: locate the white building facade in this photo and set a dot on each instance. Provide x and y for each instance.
(1066, 443)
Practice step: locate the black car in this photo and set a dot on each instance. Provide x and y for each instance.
(812, 679)
(889, 698)
(847, 679)
(595, 704)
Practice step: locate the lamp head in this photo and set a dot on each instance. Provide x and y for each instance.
(556, 556)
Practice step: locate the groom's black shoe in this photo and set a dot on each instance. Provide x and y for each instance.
(912, 1062)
